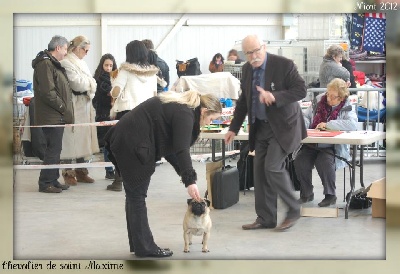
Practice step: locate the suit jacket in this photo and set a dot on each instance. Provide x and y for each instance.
(285, 115)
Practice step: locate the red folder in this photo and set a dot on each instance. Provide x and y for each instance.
(323, 133)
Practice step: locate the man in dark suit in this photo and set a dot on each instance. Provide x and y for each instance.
(271, 88)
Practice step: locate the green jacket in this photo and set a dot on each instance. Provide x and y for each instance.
(53, 95)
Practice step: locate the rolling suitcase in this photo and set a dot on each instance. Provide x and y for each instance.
(225, 187)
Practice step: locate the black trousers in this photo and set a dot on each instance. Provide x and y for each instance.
(141, 239)
(53, 136)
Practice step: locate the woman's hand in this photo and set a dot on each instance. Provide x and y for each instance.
(193, 192)
(321, 125)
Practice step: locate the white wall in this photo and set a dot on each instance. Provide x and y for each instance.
(202, 35)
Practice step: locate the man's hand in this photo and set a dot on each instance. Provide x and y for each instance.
(266, 97)
(229, 136)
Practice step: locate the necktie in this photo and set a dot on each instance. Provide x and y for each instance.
(255, 94)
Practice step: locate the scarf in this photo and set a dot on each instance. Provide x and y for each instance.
(323, 111)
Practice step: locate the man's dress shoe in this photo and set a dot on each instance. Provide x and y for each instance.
(286, 224)
(254, 225)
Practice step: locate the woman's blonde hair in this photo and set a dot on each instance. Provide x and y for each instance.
(79, 41)
(193, 99)
(340, 86)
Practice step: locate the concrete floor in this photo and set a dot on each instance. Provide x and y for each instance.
(88, 222)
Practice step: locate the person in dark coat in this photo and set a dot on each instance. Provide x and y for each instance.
(347, 64)
(102, 101)
(162, 126)
(53, 106)
(154, 59)
(271, 88)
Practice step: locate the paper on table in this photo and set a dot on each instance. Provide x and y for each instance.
(319, 133)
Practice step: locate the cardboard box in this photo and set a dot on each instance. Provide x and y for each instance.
(378, 194)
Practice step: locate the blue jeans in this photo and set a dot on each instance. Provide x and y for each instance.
(109, 168)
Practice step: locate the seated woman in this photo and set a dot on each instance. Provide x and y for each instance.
(217, 63)
(233, 56)
(333, 112)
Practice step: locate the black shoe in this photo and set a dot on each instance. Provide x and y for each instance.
(303, 200)
(328, 200)
(57, 184)
(110, 175)
(50, 189)
(161, 252)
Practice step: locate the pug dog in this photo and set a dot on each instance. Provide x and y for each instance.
(197, 222)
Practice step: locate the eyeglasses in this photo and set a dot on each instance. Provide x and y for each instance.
(333, 97)
(86, 50)
(256, 51)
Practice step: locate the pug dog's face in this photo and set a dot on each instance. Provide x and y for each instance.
(198, 208)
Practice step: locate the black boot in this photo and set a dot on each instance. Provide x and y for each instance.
(116, 184)
(110, 175)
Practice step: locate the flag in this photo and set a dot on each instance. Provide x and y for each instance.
(374, 32)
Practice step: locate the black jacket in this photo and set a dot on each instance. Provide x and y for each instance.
(154, 59)
(349, 67)
(150, 131)
(101, 100)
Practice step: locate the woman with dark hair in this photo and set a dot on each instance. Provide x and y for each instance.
(347, 64)
(217, 63)
(163, 126)
(136, 82)
(102, 100)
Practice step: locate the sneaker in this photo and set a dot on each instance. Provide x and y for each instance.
(50, 189)
(110, 175)
(328, 200)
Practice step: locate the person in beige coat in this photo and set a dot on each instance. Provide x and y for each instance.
(80, 141)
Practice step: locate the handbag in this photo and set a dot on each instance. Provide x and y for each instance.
(189, 67)
(360, 201)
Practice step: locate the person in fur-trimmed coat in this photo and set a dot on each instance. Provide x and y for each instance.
(136, 82)
(81, 141)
